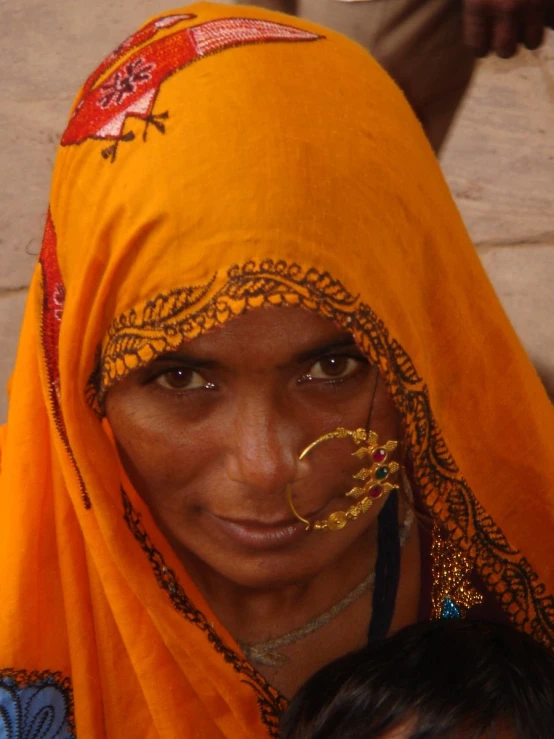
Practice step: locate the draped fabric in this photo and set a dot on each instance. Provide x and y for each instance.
(220, 160)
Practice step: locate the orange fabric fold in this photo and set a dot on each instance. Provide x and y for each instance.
(222, 159)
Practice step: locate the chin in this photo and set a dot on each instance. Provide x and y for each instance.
(272, 568)
(262, 557)
(269, 573)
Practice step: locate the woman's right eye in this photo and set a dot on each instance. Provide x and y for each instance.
(182, 378)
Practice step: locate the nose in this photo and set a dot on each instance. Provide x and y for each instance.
(262, 447)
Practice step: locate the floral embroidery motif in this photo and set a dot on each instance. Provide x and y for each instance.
(271, 702)
(140, 37)
(132, 88)
(35, 705)
(53, 299)
(163, 323)
(125, 82)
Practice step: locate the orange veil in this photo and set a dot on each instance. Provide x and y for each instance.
(224, 158)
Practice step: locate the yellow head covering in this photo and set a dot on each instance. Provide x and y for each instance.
(223, 159)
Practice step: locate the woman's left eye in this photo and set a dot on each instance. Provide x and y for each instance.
(334, 368)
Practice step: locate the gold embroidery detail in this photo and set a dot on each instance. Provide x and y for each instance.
(451, 572)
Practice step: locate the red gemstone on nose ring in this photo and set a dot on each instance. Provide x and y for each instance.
(379, 455)
(375, 491)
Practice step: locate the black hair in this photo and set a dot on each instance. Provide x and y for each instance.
(446, 679)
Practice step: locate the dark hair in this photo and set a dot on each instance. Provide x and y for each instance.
(448, 678)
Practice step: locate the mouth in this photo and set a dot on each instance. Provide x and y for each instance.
(262, 534)
(266, 534)
(261, 523)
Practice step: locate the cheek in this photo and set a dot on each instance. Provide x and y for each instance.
(159, 454)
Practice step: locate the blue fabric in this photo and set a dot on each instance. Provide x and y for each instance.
(36, 708)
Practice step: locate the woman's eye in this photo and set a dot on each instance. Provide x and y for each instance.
(333, 368)
(182, 379)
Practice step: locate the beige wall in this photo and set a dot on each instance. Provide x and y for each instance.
(499, 161)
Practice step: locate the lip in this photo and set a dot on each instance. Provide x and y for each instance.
(261, 535)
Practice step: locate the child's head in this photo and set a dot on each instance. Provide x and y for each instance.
(443, 679)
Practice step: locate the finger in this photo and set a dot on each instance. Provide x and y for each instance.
(533, 21)
(504, 35)
(477, 29)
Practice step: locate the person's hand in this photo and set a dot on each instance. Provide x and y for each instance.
(500, 25)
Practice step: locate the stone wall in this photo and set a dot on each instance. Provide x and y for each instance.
(499, 160)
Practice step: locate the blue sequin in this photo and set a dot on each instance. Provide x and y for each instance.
(37, 709)
(449, 609)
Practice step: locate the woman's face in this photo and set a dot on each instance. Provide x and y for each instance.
(210, 437)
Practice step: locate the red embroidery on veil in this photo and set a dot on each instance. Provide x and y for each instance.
(53, 301)
(142, 36)
(131, 89)
(52, 307)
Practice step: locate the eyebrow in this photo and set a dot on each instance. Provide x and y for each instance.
(192, 362)
(314, 352)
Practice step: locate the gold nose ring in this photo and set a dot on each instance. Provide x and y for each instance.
(373, 479)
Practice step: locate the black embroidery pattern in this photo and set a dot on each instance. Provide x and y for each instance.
(162, 324)
(135, 337)
(446, 493)
(270, 701)
(36, 704)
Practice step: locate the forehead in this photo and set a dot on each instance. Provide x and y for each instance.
(273, 334)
